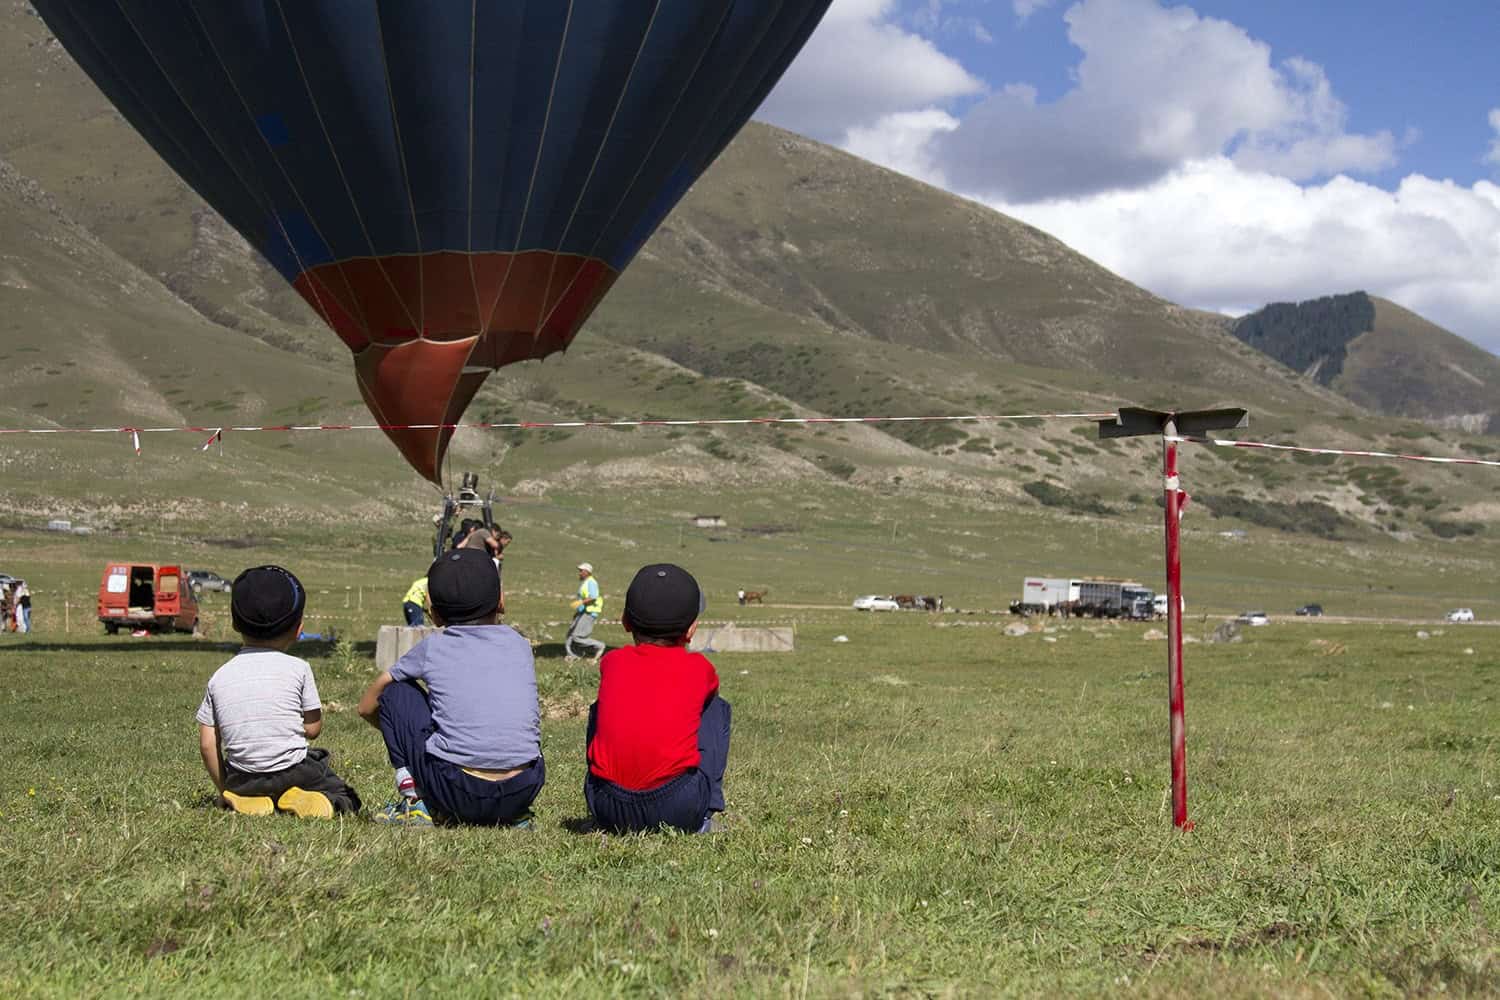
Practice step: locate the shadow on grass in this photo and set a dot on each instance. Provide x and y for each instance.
(581, 826)
(141, 645)
(314, 649)
(555, 651)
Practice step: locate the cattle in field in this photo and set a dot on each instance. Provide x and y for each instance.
(931, 603)
(906, 601)
(755, 597)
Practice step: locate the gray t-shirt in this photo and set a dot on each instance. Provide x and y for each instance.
(481, 683)
(256, 700)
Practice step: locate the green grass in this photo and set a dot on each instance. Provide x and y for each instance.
(929, 810)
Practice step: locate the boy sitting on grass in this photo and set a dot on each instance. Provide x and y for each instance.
(468, 749)
(658, 737)
(262, 707)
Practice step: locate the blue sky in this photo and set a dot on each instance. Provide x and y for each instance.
(1221, 153)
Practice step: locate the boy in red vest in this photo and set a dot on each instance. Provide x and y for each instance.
(658, 737)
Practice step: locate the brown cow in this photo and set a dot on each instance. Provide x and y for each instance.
(755, 597)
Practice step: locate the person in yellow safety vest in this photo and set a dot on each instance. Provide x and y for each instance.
(585, 613)
(414, 604)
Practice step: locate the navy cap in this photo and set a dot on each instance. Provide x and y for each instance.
(265, 602)
(463, 585)
(663, 601)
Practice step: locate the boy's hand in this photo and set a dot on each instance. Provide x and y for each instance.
(575, 605)
(369, 702)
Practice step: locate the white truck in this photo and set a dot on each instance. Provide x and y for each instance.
(1041, 594)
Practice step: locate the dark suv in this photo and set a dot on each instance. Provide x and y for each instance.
(1310, 610)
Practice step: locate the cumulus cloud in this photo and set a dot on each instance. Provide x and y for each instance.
(860, 67)
(902, 141)
(1025, 8)
(1215, 235)
(1184, 157)
(1155, 88)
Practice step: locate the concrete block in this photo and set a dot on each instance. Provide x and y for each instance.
(395, 641)
(735, 639)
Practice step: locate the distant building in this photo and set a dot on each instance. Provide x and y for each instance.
(709, 520)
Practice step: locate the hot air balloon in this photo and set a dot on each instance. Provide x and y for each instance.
(452, 185)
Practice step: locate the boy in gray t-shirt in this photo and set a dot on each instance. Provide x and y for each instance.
(469, 747)
(262, 707)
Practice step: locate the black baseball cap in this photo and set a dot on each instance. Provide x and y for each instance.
(463, 585)
(663, 601)
(266, 601)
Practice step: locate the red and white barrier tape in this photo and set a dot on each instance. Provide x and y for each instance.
(1346, 452)
(216, 434)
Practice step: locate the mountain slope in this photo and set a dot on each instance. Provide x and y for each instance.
(1381, 356)
(792, 280)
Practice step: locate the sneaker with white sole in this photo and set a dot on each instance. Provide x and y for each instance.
(405, 812)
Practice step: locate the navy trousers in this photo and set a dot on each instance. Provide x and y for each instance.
(685, 801)
(413, 612)
(447, 789)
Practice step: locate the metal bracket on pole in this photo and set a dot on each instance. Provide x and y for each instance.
(1134, 421)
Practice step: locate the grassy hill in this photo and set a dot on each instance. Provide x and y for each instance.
(793, 279)
(1383, 357)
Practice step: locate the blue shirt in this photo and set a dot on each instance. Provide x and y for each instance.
(481, 683)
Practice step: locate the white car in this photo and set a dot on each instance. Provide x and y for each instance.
(1461, 615)
(1254, 618)
(872, 603)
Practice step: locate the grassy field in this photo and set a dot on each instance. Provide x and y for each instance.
(930, 808)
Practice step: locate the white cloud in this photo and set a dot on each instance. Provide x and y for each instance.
(903, 142)
(1184, 158)
(1216, 235)
(858, 68)
(1155, 88)
(1025, 8)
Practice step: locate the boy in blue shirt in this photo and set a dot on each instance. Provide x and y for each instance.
(467, 749)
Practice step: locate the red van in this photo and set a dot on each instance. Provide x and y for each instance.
(146, 596)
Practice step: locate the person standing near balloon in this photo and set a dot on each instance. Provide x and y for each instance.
(414, 604)
(586, 609)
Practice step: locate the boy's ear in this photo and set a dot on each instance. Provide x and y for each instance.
(625, 623)
(437, 617)
(687, 636)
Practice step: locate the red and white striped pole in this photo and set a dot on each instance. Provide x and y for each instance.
(1174, 626)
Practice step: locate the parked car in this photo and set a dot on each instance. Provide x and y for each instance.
(872, 603)
(1461, 615)
(202, 579)
(1311, 610)
(146, 596)
(1254, 618)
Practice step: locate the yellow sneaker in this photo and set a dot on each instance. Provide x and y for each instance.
(304, 804)
(249, 805)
